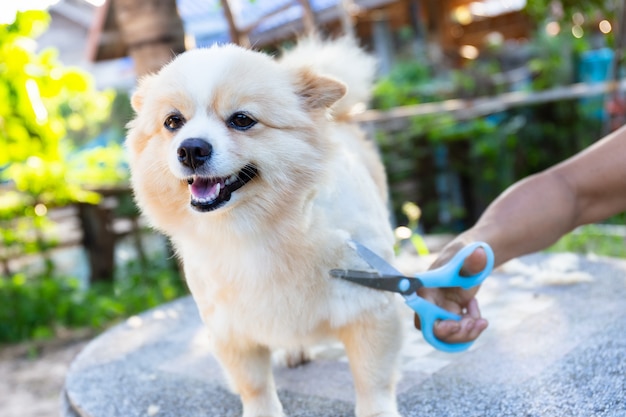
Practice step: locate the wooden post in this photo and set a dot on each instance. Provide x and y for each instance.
(383, 43)
(152, 30)
(434, 38)
(98, 240)
(236, 36)
(346, 12)
(308, 17)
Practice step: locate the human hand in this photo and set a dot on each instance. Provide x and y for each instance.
(457, 300)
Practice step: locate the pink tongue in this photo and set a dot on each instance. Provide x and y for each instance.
(203, 187)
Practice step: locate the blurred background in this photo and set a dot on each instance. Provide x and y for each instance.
(471, 96)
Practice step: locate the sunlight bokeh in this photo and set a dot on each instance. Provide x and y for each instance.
(9, 9)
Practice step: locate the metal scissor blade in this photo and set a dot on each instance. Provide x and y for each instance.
(395, 283)
(353, 273)
(374, 260)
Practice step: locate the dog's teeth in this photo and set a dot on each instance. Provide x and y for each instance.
(215, 193)
(209, 198)
(230, 179)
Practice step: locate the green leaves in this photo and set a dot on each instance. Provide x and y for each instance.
(35, 307)
(31, 23)
(48, 113)
(403, 86)
(46, 110)
(24, 126)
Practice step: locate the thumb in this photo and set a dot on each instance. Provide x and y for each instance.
(475, 262)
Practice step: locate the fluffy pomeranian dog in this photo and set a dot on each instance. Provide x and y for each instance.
(251, 166)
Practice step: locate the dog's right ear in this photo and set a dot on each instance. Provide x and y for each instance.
(319, 91)
(136, 100)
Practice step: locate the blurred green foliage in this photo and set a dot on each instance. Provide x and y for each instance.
(36, 307)
(48, 113)
(46, 110)
(481, 156)
(404, 86)
(541, 10)
(594, 239)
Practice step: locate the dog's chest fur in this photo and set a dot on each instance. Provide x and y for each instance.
(277, 293)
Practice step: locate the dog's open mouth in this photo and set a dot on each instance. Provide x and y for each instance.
(210, 193)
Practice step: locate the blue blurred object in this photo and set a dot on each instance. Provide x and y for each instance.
(387, 278)
(594, 67)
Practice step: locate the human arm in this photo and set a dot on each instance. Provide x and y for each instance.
(531, 215)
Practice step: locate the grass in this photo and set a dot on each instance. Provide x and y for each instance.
(598, 239)
(39, 307)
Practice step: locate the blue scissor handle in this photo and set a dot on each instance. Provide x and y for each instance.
(449, 274)
(429, 314)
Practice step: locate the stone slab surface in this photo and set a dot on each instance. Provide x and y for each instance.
(556, 346)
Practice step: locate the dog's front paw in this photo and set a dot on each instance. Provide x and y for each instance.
(269, 407)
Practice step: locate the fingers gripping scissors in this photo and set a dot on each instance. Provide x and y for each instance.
(387, 278)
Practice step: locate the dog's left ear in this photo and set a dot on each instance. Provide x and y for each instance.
(136, 100)
(318, 91)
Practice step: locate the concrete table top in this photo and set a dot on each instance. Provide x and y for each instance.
(556, 346)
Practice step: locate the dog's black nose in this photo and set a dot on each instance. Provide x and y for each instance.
(194, 152)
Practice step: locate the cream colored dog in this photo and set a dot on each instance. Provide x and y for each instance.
(251, 166)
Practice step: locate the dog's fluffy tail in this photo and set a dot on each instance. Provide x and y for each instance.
(342, 59)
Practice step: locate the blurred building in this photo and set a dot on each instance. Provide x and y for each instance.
(450, 30)
(71, 28)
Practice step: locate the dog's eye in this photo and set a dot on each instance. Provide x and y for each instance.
(240, 121)
(174, 122)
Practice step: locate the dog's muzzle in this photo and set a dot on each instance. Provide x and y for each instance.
(209, 192)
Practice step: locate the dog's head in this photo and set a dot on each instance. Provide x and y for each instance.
(220, 126)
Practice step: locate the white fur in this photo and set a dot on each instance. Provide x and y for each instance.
(341, 59)
(258, 268)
